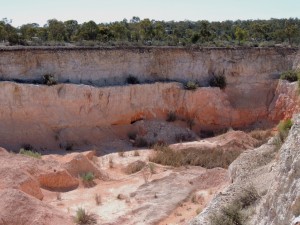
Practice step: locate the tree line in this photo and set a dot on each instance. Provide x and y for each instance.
(139, 32)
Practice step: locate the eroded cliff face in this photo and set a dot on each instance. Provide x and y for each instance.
(84, 115)
(281, 205)
(49, 117)
(111, 66)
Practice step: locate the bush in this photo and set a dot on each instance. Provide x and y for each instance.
(218, 81)
(69, 147)
(191, 85)
(248, 197)
(89, 176)
(84, 218)
(190, 122)
(49, 79)
(132, 80)
(121, 153)
(88, 179)
(290, 75)
(232, 213)
(98, 199)
(30, 153)
(135, 167)
(166, 156)
(136, 153)
(171, 117)
(283, 128)
(132, 135)
(208, 158)
(229, 215)
(184, 137)
(261, 135)
(141, 142)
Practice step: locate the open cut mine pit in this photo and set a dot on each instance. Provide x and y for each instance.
(133, 135)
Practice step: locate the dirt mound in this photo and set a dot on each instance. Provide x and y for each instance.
(79, 163)
(28, 174)
(17, 207)
(14, 178)
(58, 181)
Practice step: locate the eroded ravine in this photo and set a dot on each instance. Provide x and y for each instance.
(93, 108)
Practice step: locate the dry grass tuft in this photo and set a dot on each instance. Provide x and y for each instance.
(208, 158)
(136, 153)
(98, 199)
(261, 135)
(84, 218)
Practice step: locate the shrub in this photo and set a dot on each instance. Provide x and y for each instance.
(277, 142)
(232, 213)
(166, 156)
(132, 135)
(69, 147)
(132, 80)
(218, 81)
(248, 196)
(121, 153)
(290, 75)
(184, 137)
(89, 176)
(152, 168)
(88, 179)
(283, 128)
(58, 196)
(27, 147)
(229, 215)
(30, 153)
(49, 79)
(191, 85)
(190, 122)
(111, 163)
(84, 218)
(261, 135)
(141, 142)
(208, 158)
(98, 199)
(135, 167)
(121, 197)
(171, 117)
(136, 153)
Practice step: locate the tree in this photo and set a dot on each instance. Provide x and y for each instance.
(259, 31)
(56, 30)
(119, 31)
(195, 37)
(30, 30)
(135, 19)
(205, 31)
(89, 31)
(240, 34)
(3, 33)
(291, 31)
(146, 30)
(72, 28)
(105, 34)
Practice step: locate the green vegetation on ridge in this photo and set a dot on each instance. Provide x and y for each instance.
(137, 32)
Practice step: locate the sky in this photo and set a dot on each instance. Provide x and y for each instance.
(39, 11)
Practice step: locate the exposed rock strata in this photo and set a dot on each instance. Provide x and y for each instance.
(109, 66)
(275, 175)
(53, 117)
